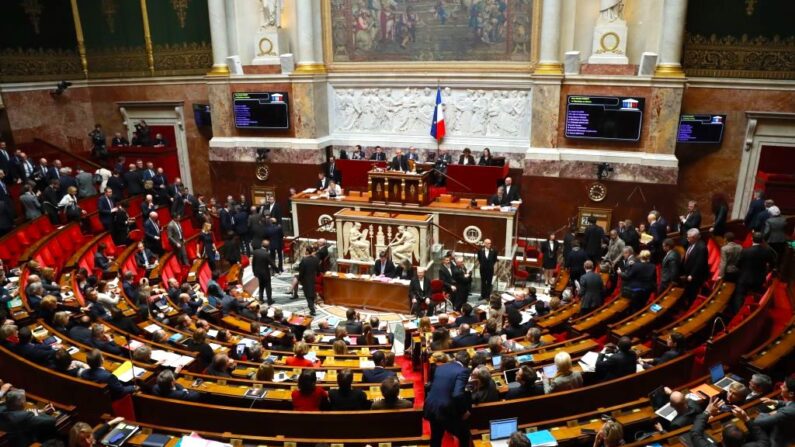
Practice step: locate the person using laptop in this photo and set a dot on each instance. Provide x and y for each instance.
(518, 439)
(564, 377)
(503, 431)
(611, 434)
(683, 414)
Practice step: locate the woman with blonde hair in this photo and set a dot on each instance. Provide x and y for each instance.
(300, 350)
(82, 435)
(425, 325)
(340, 348)
(207, 245)
(565, 378)
(610, 435)
(48, 307)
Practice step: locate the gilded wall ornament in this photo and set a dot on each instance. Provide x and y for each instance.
(109, 10)
(33, 9)
(181, 8)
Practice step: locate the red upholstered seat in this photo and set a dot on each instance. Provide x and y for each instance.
(438, 294)
(519, 275)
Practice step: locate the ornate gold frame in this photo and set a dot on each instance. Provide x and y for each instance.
(402, 66)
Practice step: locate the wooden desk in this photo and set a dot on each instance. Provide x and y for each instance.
(702, 316)
(362, 293)
(559, 316)
(601, 316)
(500, 226)
(768, 355)
(398, 187)
(640, 322)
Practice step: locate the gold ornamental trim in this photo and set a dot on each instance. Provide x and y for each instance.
(669, 71)
(81, 42)
(310, 69)
(740, 57)
(150, 57)
(609, 48)
(265, 47)
(549, 68)
(219, 70)
(24, 65)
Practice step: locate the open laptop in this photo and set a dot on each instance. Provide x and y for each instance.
(719, 377)
(550, 370)
(500, 431)
(661, 403)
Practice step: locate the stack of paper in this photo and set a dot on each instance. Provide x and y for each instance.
(152, 328)
(542, 438)
(195, 441)
(170, 359)
(588, 361)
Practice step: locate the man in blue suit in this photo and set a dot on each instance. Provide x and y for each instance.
(152, 234)
(96, 373)
(447, 402)
(106, 208)
(379, 373)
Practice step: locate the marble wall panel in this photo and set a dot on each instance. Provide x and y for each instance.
(705, 170)
(546, 111)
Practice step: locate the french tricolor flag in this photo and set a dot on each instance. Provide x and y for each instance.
(437, 125)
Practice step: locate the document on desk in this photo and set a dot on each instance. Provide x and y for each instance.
(588, 361)
(152, 328)
(195, 441)
(127, 372)
(170, 359)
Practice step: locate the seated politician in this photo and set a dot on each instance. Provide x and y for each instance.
(378, 373)
(345, 397)
(167, 386)
(384, 266)
(390, 391)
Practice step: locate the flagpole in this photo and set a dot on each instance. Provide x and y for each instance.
(437, 139)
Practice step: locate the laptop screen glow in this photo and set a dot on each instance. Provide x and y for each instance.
(502, 428)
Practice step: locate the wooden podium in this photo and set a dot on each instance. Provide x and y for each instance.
(398, 187)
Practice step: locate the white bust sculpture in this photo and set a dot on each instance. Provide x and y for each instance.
(611, 10)
(272, 13)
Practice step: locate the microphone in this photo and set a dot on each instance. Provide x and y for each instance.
(712, 332)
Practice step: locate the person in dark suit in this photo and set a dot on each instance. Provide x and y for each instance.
(177, 197)
(399, 162)
(720, 210)
(487, 258)
(5, 159)
(144, 258)
(676, 343)
(358, 153)
(753, 266)
(322, 254)
(106, 208)
(463, 283)
(758, 224)
(658, 233)
(116, 184)
(379, 373)
(351, 324)
(167, 387)
(308, 269)
(272, 208)
(152, 234)
(119, 141)
(241, 229)
(446, 275)
(549, 258)
(526, 385)
(695, 266)
(332, 172)
(592, 239)
(261, 265)
(466, 337)
(133, 181)
(575, 262)
(384, 266)
(485, 158)
(466, 157)
(322, 181)
(591, 289)
(498, 199)
(420, 292)
(23, 427)
(40, 353)
(275, 235)
(447, 402)
(622, 362)
(690, 220)
(511, 190)
(81, 331)
(466, 316)
(630, 236)
(345, 397)
(101, 260)
(378, 155)
(176, 238)
(757, 206)
(670, 266)
(732, 436)
(96, 373)
(639, 280)
(781, 423)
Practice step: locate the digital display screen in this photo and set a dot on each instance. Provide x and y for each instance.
(261, 110)
(604, 117)
(701, 128)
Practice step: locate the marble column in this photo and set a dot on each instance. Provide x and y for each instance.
(549, 54)
(673, 32)
(219, 38)
(306, 60)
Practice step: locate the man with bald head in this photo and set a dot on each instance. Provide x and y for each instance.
(152, 234)
(686, 412)
(487, 258)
